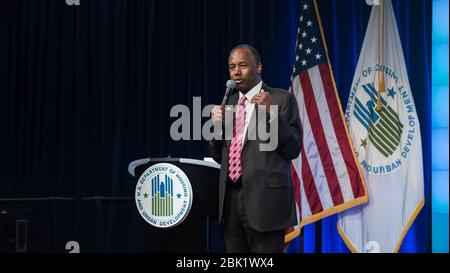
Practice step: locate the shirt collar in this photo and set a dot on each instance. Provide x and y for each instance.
(252, 92)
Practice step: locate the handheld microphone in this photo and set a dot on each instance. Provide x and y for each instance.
(230, 86)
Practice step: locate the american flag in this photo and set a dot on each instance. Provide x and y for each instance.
(326, 175)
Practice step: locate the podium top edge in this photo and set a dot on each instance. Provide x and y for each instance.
(132, 166)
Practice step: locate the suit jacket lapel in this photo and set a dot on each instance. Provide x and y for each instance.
(251, 128)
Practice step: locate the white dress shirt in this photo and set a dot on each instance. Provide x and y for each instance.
(249, 107)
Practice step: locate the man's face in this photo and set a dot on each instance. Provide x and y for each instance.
(243, 69)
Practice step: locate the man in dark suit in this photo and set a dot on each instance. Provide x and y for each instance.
(256, 199)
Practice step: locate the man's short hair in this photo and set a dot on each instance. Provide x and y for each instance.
(253, 50)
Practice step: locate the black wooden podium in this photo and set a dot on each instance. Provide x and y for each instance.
(199, 232)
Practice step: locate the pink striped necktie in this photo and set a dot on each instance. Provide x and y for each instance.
(234, 155)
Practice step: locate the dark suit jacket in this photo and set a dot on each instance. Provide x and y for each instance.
(266, 179)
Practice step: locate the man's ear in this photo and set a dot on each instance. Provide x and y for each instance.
(259, 69)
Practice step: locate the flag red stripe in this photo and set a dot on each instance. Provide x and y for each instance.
(339, 130)
(312, 195)
(320, 139)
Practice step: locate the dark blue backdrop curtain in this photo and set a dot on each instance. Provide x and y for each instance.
(87, 89)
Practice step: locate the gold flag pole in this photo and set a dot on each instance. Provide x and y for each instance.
(381, 84)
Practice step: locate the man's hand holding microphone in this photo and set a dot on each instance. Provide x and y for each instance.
(218, 111)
